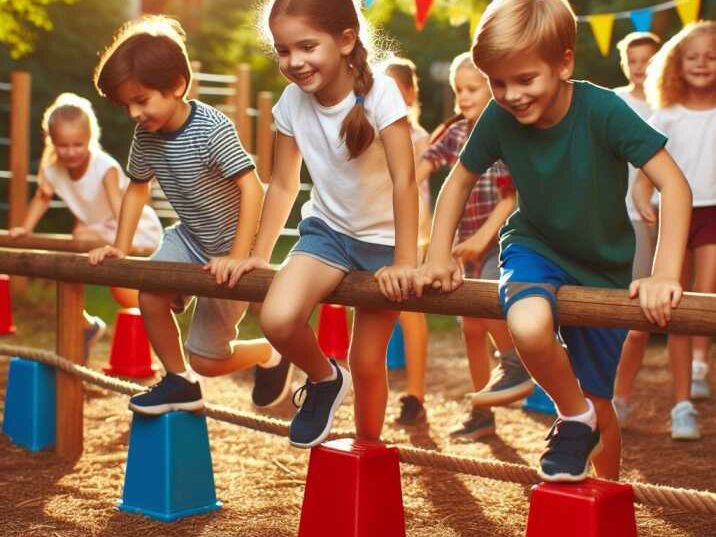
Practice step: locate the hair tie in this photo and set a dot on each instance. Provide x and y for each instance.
(360, 99)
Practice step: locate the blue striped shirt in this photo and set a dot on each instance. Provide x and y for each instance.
(196, 167)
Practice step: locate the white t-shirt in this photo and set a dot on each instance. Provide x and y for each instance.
(692, 144)
(88, 201)
(354, 197)
(644, 110)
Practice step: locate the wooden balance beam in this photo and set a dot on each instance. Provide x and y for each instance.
(58, 242)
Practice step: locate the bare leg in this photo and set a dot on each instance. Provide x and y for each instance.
(245, 353)
(499, 334)
(162, 329)
(296, 290)
(704, 282)
(608, 461)
(478, 356)
(415, 333)
(680, 350)
(629, 363)
(82, 232)
(371, 333)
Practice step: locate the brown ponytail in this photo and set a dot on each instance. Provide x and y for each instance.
(356, 130)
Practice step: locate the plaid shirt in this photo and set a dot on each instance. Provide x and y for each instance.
(486, 194)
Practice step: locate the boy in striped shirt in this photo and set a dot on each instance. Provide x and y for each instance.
(194, 152)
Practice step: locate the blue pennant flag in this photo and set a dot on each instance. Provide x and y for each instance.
(368, 3)
(641, 19)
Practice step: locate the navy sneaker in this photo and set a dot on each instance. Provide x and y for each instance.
(312, 423)
(271, 384)
(509, 382)
(173, 392)
(570, 447)
(481, 423)
(92, 334)
(411, 411)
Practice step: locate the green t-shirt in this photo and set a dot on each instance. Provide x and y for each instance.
(571, 181)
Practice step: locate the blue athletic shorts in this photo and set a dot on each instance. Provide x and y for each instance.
(318, 240)
(593, 352)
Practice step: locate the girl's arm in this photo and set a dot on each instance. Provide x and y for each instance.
(440, 271)
(133, 203)
(110, 182)
(662, 291)
(38, 207)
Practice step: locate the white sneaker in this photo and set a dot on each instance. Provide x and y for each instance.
(622, 410)
(699, 382)
(684, 425)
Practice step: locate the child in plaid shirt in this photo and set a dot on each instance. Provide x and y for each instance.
(490, 203)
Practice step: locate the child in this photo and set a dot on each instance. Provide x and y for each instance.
(681, 85)
(350, 126)
(566, 143)
(489, 205)
(195, 154)
(413, 323)
(76, 168)
(635, 51)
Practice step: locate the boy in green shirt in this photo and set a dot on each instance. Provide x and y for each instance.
(567, 144)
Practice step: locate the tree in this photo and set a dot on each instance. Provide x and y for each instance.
(19, 22)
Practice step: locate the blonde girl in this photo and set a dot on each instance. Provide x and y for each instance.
(350, 127)
(681, 85)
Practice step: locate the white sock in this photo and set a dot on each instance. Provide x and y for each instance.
(588, 418)
(699, 370)
(189, 374)
(273, 360)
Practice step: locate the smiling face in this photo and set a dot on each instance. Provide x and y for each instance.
(71, 140)
(472, 92)
(533, 91)
(314, 60)
(698, 62)
(636, 61)
(152, 109)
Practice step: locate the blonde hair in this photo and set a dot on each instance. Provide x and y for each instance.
(68, 107)
(635, 39)
(458, 62)
(508, 27)
(406, 74)
(665, 84)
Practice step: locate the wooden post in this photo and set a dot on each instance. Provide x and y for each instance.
(242, 102)
(194, 87)
(264, 136)
(70, 344)
(20, 82)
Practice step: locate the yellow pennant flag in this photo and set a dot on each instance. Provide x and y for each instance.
(602, 26)
(688, 10)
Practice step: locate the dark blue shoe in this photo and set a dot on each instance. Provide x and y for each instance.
(271, 384)
(312, 423)
(173, 392)
(570, 447)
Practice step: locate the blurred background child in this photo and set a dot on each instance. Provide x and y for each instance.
(681, 85)
(490, 203)
(635, 52)
(76, 168)
(414, 324)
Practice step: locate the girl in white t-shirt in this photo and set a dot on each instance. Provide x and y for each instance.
(76, 168)
(349, 126)
(681, 85)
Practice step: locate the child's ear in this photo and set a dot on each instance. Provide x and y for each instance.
(180, 89)
(566, 65)
(347, 41)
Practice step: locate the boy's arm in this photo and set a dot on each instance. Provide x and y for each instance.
(641, 194)
(662, 291)
(252, 196)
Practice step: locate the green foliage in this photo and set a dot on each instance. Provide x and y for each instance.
(19, 22)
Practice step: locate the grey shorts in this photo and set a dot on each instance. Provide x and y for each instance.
(487, 268)
(214, 324)
(646, 236)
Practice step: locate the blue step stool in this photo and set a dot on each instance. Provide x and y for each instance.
(29, 417)
(540, 402)
(396, 349)
(169, 474)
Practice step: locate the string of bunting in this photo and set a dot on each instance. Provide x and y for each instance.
(602, 24)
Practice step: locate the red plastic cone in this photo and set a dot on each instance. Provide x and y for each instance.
(131, 355)
(333, 331)
(353, 490)
(592, 508)
(6, 326)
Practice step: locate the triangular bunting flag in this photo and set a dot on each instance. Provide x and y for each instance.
(688, 10)
(368, 3)
(421, 12)
(641, 19)
(602, 26)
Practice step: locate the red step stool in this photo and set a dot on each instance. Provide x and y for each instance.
(353, 490)
(591, 508)
(333, 331)
(6, 326)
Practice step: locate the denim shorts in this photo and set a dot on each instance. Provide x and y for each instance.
(338, 250)
(213, 326)
(593, 352)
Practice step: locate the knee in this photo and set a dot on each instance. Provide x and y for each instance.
(531, 331)
(204, 366)
(278, 323)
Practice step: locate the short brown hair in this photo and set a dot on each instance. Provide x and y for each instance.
(509, 27)
(150, 50)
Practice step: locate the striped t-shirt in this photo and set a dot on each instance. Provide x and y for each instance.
(196, 167)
